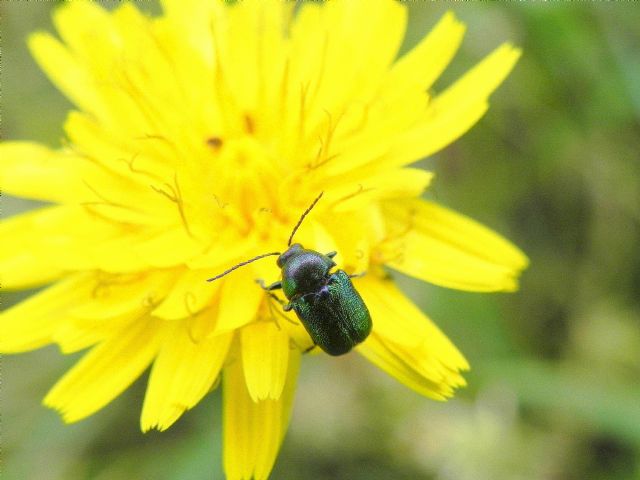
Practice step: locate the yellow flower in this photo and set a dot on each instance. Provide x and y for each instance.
(199, 139)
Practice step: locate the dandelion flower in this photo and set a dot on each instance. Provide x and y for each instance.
(198, 139)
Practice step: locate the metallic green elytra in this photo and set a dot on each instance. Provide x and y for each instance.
(328, 305)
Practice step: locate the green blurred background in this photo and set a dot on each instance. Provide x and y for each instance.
(554, 391)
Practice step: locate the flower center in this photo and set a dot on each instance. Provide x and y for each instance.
(252, 190)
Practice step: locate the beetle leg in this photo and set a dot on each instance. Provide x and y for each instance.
(356, 275)
(276, 298)
(278, 312)
(275, 320)
(285, 306)
(331, 254)
(310, 348)
(273, 286)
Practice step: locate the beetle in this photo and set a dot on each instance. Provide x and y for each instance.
(327, 304)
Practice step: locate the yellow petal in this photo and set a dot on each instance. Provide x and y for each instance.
(96, 43)
(104, 372)
(20, 266)
(23, 270)
(79, 333)
(323, 240)
(68, 238)
(346, 69)
(378, 41)
(43, 244)
(265, 355)
(193, 19)
(182, 374)
(479, 82)
(65, 71)
(240, 298)
(166, 249)
(120, 254)
(455, 110)
(396, 319)
(443, 247)
(114, 302)
(347, 195)
(287, 322)
(34, 171)
(193, 66)
(31, 323)
(164, 101)
(377, 352)
(428, 363)
(237, 38)
(146, 161)
(423, 65)
(251, 52)
(399, 363)
(354, 239)
(365, 131)
(189, 294)
(224, 250)
(116, 295)
(253, 431)
(84, 24)
(435, 133)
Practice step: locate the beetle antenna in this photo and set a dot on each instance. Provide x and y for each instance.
(242, 264)
(295, 229)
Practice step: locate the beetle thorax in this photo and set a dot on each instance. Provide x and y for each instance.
(303, 271)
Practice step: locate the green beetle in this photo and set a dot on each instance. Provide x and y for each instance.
(330, 308)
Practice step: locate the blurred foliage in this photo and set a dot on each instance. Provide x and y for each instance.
(554, 392)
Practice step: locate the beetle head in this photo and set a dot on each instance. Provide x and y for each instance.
(290, 252)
